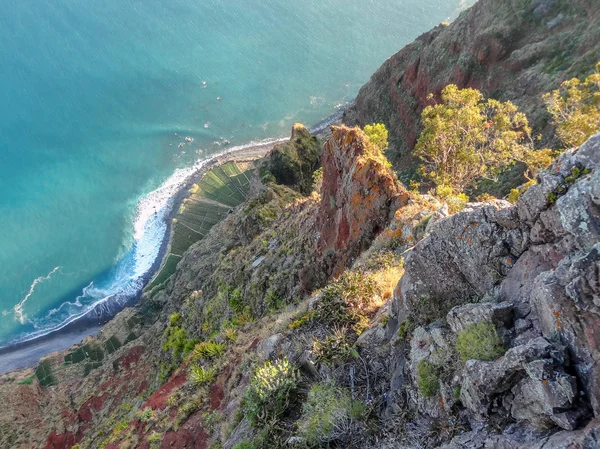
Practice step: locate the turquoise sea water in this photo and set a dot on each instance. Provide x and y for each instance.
(96, 102)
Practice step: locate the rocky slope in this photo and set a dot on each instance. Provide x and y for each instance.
(510, 50)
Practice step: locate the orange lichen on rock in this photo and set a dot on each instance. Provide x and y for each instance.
(358, 181)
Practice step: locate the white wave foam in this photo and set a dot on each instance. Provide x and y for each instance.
(19, 314)
(150, 227)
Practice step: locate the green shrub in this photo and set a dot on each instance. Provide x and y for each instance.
(202, 376)
(428, 379)
(479, 342)
(466, 138)
(335, 349)
(326, 414)
(177, 341)
(378, 135)
(186, 410)
(348, 301)
(208, 350)
(175, 320)
(154, 439)
(270, 390)
(575, 109)
(147, 415)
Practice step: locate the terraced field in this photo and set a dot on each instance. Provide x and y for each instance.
(220, 190)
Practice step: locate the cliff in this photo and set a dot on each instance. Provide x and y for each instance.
(330, 307)
(509, 50)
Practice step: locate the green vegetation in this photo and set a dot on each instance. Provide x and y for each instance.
(335, 349)
(348, 301)
(378, 135)
(27, 380)
(244, 445)
(326, 414)
(428, 379)
(90, 352)
(44, 374)
(220, 189)
(177, 341)
(270, 391)
(202, 376)
(456, 201)
(465, 139)
(479, 342)
(112, 344)
(208, 350)
(575, 109)
(154, 439)
(293, 163)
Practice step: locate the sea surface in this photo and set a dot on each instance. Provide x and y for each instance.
(105, 106)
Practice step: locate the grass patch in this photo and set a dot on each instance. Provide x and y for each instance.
(428, 380)
(327, 415)
(479, 342)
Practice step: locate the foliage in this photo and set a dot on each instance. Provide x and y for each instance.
(177, 341)
(208, 350)
(514, 194)
(186, 410)
(428, 379)
(326, 414)
(466, 138)
(456, 201)
(348, 301)
(202, 376)
(154, 439)
(479, 342)
(147, 415)
(244, 445)
(293, 163)
(270, 390)
(575, 109)
(378, 135)
(335, 349)
(304, 319)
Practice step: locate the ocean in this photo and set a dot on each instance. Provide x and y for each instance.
(105, 107)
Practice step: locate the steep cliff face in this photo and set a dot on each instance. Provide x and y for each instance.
(510, 50)
(358, 197)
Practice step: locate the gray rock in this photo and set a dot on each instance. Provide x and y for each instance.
(267, 348)
(500, 314)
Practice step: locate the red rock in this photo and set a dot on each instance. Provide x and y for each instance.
(359, 196)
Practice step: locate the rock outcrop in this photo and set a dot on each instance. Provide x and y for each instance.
(531, 270)
(509, 50)
(359, 196)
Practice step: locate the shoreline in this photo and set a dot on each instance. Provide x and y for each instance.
(27, 353)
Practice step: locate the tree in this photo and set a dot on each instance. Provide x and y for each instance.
(466, 138)
(575, 109)
(378, 135)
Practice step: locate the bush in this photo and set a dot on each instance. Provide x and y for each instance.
(348, 301)
(335, 349)
(270, 390)
(326, 415)
(428, 379)
(466, 138)
(378, 135)
(479, 342)
(202, 376)
(575, 109)
(208, 350)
